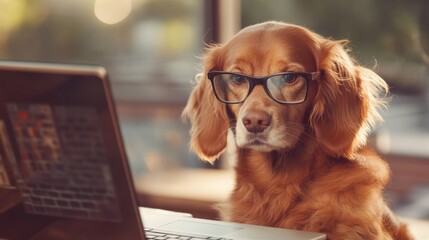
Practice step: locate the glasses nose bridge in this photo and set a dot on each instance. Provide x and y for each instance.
(258, 81)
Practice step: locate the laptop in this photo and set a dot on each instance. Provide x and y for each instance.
(63, 167)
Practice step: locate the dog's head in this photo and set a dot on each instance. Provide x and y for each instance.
(273, 84)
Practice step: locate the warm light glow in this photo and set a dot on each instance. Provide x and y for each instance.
(112, 11)
(12, 14)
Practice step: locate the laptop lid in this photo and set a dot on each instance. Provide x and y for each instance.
(63, 168)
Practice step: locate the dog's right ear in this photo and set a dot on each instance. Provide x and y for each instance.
(209, 121)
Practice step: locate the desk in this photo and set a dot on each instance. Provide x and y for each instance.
(194, 191)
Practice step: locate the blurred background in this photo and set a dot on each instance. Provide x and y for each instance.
(151, 49)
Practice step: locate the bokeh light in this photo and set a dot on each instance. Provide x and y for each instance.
(112, 11)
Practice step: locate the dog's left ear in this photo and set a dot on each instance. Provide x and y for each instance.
(347, 101)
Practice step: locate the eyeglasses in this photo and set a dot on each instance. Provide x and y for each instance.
(284, 88)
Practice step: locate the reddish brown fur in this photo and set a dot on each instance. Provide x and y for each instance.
(322, 178)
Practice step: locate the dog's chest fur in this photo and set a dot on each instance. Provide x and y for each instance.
(290, 194)
(267, 191)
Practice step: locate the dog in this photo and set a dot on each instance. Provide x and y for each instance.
(296, 109)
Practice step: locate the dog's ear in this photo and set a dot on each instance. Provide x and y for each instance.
(209, 121)
(347, 101)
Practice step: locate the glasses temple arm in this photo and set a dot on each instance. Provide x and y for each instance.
(315, 75)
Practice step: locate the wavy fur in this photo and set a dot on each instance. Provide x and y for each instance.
(313, 171)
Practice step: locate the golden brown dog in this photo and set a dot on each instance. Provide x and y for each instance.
(298, 110)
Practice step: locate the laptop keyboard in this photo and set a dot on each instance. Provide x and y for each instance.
(157, 235)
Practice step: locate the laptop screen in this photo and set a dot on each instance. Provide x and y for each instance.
(63, 170)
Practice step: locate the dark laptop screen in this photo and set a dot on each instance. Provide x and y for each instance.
(62, 162)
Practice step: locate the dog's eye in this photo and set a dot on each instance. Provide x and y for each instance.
(288, 78)
(238, 80)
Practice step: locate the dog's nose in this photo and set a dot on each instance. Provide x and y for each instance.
(256, 121)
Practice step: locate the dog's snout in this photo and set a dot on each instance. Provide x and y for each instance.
(256, 121)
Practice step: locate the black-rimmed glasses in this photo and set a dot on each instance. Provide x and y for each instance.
(284, 88)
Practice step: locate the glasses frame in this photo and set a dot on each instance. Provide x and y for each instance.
(308, 76)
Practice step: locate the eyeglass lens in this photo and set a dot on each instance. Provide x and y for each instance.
(231, 87)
